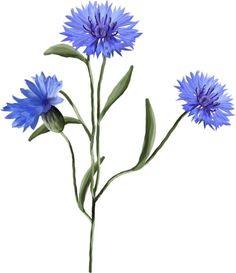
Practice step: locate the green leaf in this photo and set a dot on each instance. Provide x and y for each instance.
(65, 51)
(70, 120)
(43, 129)
(39, 131)
(117, 91)
(85, 184)
(149, 136)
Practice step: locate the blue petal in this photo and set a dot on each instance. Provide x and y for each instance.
(205, 100)
(39, 98)
(97, 26)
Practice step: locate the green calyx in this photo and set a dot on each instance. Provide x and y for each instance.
(54, 120)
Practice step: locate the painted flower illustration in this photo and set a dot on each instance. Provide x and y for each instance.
(206, 100)
(40, 96)
(100, 29)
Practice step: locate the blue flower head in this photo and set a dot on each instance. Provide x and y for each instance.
(41, 95)
(100, 29)
(205, 100)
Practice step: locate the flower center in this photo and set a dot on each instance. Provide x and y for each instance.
(101, 27)
(207, 99)
(100, 30)
(204, 101)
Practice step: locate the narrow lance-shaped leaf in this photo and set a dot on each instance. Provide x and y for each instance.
(43, 129)
(149, 137)
(148, 142)
(39, 131)
(117, 91)
(85, 184)
(65, 51)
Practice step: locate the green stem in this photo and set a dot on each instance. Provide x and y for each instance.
(98, 165)
(92, 236)
(110, 180)
(148, 160)
(92, 163)
(74, 171)
(77, 113)
(98, 122)
(165, 138)
(93, 124)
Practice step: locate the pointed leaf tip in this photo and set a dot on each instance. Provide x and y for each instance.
(39, 131)
(118, 91)
(65, 51)
(43, 129)
(85, 185)
(149, 138)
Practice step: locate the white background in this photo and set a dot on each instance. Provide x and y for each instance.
(175, 215)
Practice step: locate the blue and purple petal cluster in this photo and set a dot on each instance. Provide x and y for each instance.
(40, 96)
(100, 29)
(206, 100)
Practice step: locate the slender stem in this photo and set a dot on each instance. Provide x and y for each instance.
(92, 163)
(148, 160)
(98, 123)
(110, 180)
(77, 113)
(93, 124)
(92, 237)
(74, 171)
(165, 138)
(98, 165)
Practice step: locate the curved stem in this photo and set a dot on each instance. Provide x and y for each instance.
(165, 138)
(148, 160)
(110, 180)
(98, 122)
(74, 171)
(76, 112)
(93, 124)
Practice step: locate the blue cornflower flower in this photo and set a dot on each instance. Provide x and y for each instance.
(101, 29)
(41, 95)
(206, 100)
